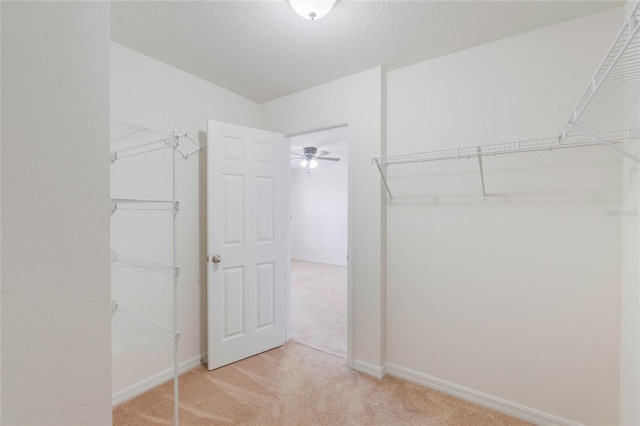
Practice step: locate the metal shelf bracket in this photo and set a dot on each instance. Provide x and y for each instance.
(384, 180)
(607, 143)
(484, 193)
(179, 135)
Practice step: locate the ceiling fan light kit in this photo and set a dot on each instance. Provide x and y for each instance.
(311, 163)
(312, 10)
(310, 157)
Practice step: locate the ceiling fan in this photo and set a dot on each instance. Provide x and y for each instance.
(310, 156)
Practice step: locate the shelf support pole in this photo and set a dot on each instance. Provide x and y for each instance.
(607, 143)
(384, 180)
(176, 207)
(484, 194)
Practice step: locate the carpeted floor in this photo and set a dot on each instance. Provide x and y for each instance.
(298, 385)
(319, 305)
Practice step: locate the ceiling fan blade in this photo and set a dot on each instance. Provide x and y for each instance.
(321, 153)
(328, 158)
(297, 154)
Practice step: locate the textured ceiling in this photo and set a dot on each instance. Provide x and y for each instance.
(262, 50)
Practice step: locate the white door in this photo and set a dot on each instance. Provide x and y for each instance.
(246, 242)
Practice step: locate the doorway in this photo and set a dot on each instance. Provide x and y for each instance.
(319, 194)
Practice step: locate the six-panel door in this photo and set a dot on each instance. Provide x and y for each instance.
(247, 230)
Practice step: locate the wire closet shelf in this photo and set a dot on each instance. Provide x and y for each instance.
(121, 264)
(611, 100)
(606, 118)
(132, 204)
(130, 329)
(409, 175)
(129, 140)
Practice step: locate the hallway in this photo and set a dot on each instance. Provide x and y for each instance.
(319, 306)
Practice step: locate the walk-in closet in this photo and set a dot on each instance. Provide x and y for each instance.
(489, 195)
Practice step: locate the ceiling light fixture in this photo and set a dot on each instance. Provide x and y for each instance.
(312, 10)
(310, 156)
(312, 163)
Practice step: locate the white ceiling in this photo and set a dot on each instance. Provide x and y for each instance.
(262, 50)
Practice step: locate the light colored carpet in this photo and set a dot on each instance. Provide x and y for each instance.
(298, 385)
(319, 305)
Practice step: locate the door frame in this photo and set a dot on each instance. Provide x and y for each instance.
(308, 128)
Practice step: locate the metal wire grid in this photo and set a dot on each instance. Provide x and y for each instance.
(128, 140)
(192, 147)
(131, 204)
(127, 265)
(544, 145)
(612, 98)
(411, 179)
(130, 329)
(422, 174)
(610, 101)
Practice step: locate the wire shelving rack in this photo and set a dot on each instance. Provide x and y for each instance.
(607, 117)
(129, 140)
(130, 329)
(121, 264)
(132, 204)
(611, 100)
(408, 175)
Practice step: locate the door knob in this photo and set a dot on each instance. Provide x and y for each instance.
(216, 259)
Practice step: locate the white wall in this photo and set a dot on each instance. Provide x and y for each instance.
(0, 216)
(517, 297)
(359, 98)
(147, 92)
(630, 326)
(55, 215)
(319, 214)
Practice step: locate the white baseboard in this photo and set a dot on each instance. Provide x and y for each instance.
(369, 369)
(153, 381)
(479, 398)
(378, 372)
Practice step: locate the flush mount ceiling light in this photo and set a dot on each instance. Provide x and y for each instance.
(312, 10)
